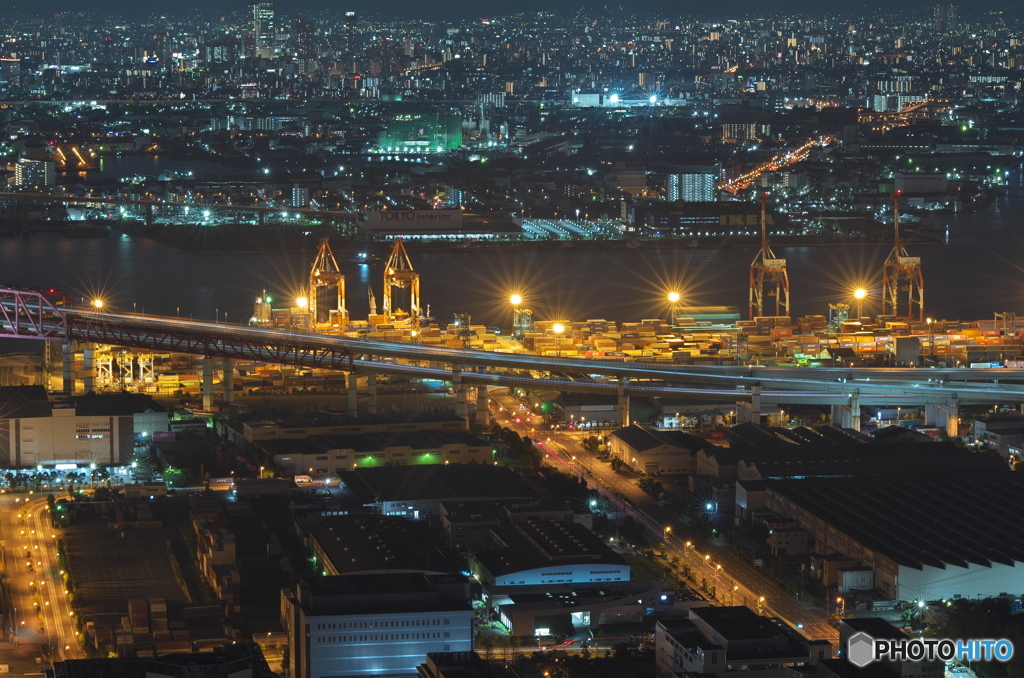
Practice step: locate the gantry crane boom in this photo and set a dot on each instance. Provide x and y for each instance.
(768, 274)
(902, 278)
(399, 273)
(325, 273)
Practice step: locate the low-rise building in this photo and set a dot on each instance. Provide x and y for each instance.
(375, 624)
(917, 538)
(726, 641)
(419, 491)
(368, 543)
(245, 432)
(652, 451)
(562, 609)
(545, 552)
(328, 454)
(39, 428)
(1002, 431)
(467, 524)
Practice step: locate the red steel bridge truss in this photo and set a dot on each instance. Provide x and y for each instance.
(45, 314)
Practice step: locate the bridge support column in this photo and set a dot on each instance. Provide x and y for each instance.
(624, 405)
(483, 413)
(755, 403)
(839, 413)
(953, 417)
(207, 383)
(149, 214)
(68, 377)
(371, 390)
(461, 400)
(88, 366)
(931, 415)
(855, 411)
(228, 381)
(262, 216)
(353, 392)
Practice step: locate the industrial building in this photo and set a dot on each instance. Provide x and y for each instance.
(322, 454)
(374, 624)
(419, 491)
(912, 537)
(721, 641)
(564, 609)
(39, 428)
(546, 552)
(652, 451)
(467, 524)
(370, 543)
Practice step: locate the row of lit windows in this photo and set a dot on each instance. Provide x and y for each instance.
(381, 637)
(382, 624)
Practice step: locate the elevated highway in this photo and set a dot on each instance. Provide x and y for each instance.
(34, 314)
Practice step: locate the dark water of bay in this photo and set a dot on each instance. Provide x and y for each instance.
(980, 271)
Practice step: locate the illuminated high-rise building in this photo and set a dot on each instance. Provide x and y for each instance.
(304, 33)
(29, 173)
(351, 22)
(693, 184)
(263, 28)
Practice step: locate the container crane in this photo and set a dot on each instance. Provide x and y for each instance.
(768, 275)
(325, 273)
(399, 273)
(902, 279)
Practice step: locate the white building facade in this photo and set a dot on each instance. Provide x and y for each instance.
(375, 625)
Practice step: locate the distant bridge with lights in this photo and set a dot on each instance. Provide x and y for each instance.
(36, 314)
(151, 207)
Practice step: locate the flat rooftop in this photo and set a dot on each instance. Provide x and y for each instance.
(368, 542)
(435, 481)
(737, 622)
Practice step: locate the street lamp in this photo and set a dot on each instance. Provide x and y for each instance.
(558, 329)
(302, 302)
(673, 299)
(931, 337)
(859, 295)
(515, 300)
(97, 303)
